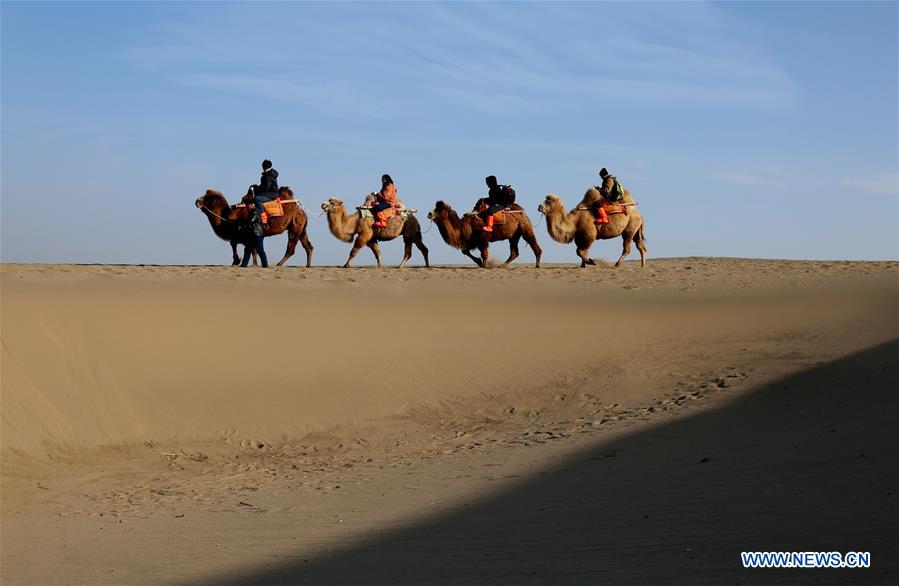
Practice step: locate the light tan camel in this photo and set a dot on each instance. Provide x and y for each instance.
(354, 228)
(466, 233)
(579, 225)
(226, 221)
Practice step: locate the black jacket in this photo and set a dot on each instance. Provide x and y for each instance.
(268, 183)
(501, 195)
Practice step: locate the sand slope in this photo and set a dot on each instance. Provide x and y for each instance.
(172, 406)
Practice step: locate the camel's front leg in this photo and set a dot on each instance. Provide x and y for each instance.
(513, 249)
(357, 246)
(376, 249)
(476, 260)
(627, 237)
(407, 251)
(584, 253)
(235, 258)
(484, 255)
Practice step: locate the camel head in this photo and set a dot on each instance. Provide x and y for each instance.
(211, 199)
(333, 203)
(551, 202)
(441, 210)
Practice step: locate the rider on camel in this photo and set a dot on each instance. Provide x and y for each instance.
(498, 197)
(611, 192)
(386, 199)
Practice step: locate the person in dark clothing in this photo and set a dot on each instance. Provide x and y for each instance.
(267, 190)
(385, 199)
(253, 234)
(498, 197)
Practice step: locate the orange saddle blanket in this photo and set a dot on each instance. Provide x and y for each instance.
(273, 208)
(614, 208)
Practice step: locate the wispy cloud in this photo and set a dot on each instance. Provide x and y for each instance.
(884, 183)
(490, 58)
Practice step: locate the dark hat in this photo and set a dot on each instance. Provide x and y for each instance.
(603, 172)
(386, 179)
(491, 181)
(266, 164)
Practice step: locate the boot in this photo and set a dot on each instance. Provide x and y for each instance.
(264, 217)
(488, 227)
(603, 216)
(380, 220)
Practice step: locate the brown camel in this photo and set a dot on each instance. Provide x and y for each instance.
(466, 233)
(226, 221)
(350, 228)
(579, 225)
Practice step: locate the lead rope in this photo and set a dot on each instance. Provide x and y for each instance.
(203, 207)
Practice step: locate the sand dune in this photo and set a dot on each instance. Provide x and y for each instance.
(170, 406)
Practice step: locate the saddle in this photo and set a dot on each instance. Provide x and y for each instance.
(365, 212)
(498, 218)
(614, 208)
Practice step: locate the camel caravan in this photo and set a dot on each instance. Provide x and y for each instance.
(606, 211)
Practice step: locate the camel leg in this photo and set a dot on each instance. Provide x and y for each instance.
(291, 247)
(583, 251)
(234, 257)
(640, 241)
(628, 238)
(307, 246)
(585, 260)
(513, 249)
(376, 249)
(255, 258)
(528, 234)
(420, 245)
(357, 246)
(407, 251)
(476, 260)
(484, 255)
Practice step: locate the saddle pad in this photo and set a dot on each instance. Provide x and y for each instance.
(365, 212)
(273, 208)
(613, 208)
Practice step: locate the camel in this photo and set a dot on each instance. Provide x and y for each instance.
(466, 233)
(579, 225)
(226, 221)
(354, 227)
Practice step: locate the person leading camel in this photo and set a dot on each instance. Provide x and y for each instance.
(386, 199)
(611, 191)
(253, 235)
(498, 197)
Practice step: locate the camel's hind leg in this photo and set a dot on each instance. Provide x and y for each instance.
(513, 248)
(527, 232)
(376, 249)
(640, 241)
(357, 246)
(420, 245)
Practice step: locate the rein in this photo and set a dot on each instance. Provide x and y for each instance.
(203, 207)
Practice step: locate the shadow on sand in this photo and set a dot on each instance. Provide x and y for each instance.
(808, 463)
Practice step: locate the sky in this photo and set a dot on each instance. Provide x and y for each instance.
(748, 129)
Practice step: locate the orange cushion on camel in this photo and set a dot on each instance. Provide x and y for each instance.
(273, 208)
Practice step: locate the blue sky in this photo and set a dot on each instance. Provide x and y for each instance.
(750, 129)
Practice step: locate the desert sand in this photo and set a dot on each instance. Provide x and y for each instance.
(166, 424)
